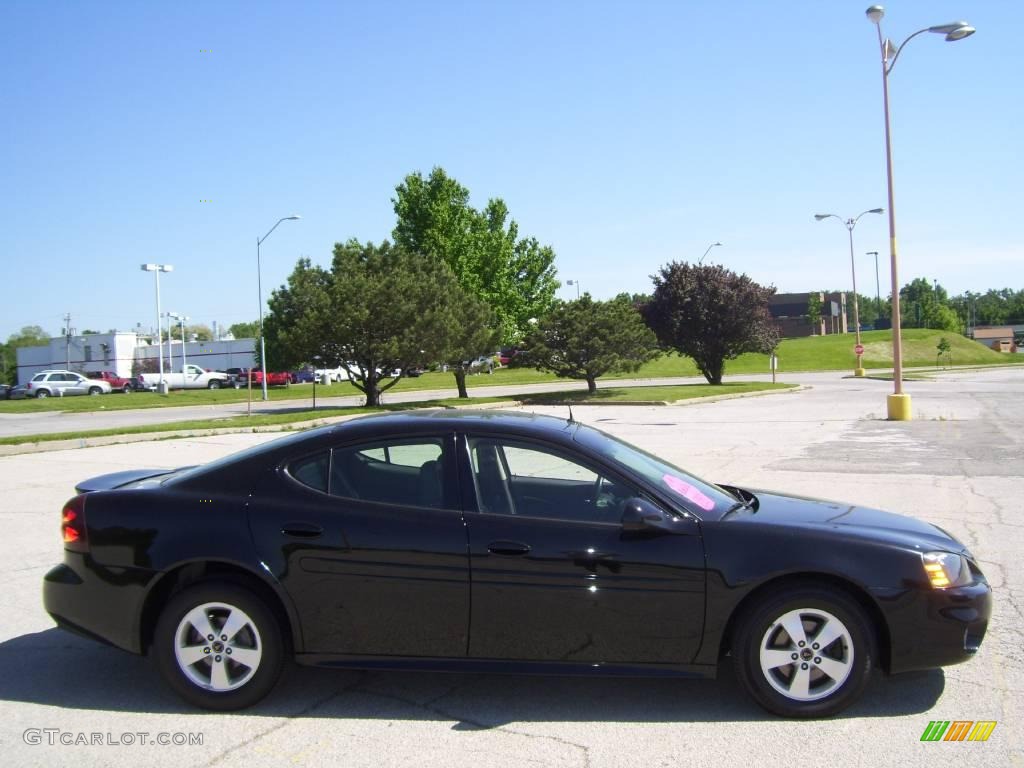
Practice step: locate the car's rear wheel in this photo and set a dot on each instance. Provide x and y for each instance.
(42, 393)
(127, 389)
(219, 646)
(214, 384)
(805, 652)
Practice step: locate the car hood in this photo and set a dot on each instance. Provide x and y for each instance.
(847, 520)
(120, 479)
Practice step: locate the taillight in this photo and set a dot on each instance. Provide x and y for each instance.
(72, 525)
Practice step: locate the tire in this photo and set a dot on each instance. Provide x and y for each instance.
(42, 393)
(229, 684)
(95, 391)
(214, 384)
(820, 681)
(127, 390)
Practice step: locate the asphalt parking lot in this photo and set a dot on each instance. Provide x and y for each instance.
(959, 464)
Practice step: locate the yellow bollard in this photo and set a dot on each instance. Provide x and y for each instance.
(899, 407)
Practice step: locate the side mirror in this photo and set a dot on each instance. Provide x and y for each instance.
(640, 515)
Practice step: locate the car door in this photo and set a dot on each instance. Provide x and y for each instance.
(554, 575)
(369, 542)
(75, 384)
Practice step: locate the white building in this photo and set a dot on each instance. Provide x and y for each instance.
(128, 354)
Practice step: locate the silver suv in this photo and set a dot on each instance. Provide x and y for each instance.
(61, 383)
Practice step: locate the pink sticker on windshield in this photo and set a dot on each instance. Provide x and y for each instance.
(688, 492)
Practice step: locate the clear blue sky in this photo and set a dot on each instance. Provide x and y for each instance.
(625, 135)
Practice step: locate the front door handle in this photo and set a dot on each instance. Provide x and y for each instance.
(511, 548)
(302, 530)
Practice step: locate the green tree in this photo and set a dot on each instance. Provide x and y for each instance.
(245, 330)
(28, 336)
(377, 312)
(925, 304)
(814, 310)
(585, 339)
(944, 348)
(475, 332)
(710, 314)
(513, 275)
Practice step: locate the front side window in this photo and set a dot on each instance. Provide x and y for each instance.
(512, 478)
(402, 471)
(691, 492)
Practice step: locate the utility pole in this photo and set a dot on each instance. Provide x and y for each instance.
(67, 341)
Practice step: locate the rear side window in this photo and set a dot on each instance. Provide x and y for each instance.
(312, 471)
(401, 472)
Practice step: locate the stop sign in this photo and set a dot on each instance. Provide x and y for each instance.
(859, 349)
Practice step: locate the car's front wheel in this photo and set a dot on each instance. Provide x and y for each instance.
(219, 646)
(94, 391)
(805, 652)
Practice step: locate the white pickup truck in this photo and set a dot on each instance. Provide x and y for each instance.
(193, 377)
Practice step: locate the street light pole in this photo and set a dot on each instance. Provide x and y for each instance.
(577, 284)
(701, 259)
(850, 224)
(259, 289)
(898, 403)
(181, 325)
(878, 286)
(156, 269)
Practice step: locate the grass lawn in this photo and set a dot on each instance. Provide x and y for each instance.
(814, 353)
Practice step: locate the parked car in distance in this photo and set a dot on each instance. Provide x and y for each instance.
(303, 376)
(18, 392)
(60, 383)
(5, 391)
(193, 377)
(363, 545)
(506, 354)
(240, 378)
(117, 383)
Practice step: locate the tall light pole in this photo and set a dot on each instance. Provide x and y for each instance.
(701, 259)
(156, 269)
(181, 324)
(259, 289)
(898, 403)
(577, 284)
(878, 286)
(850, 224)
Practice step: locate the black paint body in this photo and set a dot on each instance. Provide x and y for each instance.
(373, 585)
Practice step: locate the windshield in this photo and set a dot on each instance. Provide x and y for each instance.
(704, 499)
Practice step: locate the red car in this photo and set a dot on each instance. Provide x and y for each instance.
(117, 383)
(256, 375)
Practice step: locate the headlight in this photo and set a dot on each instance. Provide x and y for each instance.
(944, 569)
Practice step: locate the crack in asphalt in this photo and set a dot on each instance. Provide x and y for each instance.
(430, 706)
(288, 720)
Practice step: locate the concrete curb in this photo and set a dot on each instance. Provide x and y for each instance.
(686, 401)
(44, 446)
(143, 437)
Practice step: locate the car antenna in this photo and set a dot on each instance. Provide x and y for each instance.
(571, 419)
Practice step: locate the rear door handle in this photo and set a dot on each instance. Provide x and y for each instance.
(511, 548)
(301, 530)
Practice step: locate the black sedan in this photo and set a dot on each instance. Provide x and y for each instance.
(502, 542)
